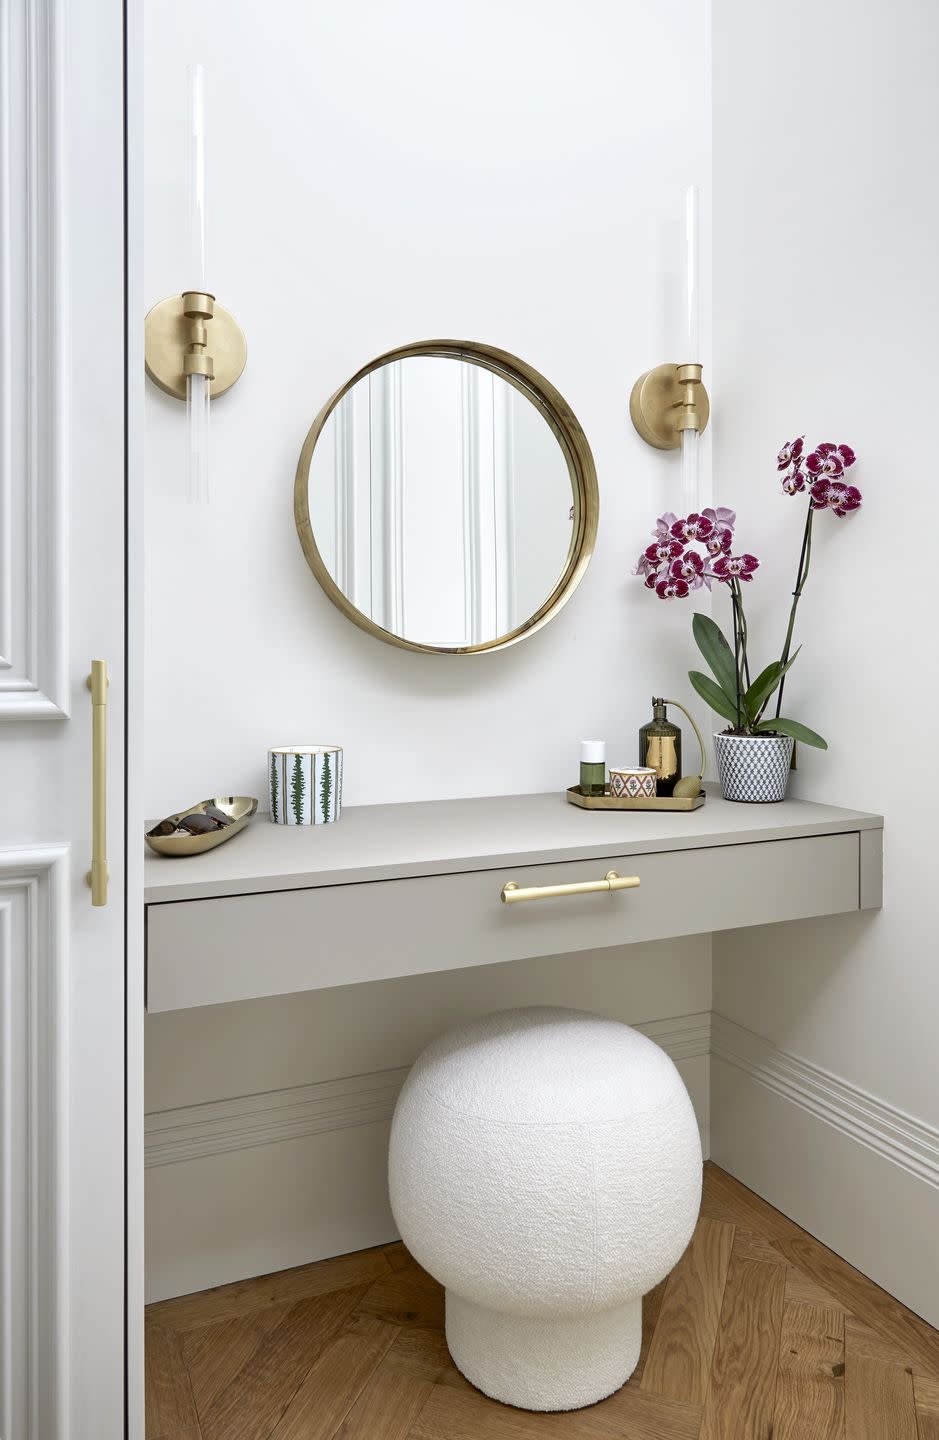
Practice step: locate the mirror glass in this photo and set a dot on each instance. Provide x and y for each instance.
(440, 501)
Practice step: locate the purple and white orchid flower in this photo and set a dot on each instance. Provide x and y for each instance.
(696, 527)
(835, 495)
(663, 526)
(734, 567)
(844, 453)
(827, 461)
(663, 552)
(721, 518)
(720, 540)
(793, 482)
(790, 453)
(672, 589)
(690, 568)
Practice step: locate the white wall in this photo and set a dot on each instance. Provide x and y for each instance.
(826, 298)
(379, 174)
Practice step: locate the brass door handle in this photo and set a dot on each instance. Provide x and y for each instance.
(612, 880)
(97, 876)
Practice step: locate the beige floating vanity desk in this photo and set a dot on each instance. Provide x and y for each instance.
(406, 889)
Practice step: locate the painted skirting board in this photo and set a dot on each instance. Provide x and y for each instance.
(223, 1204)
(196, 1131)
(835, 1158)
(193, 1132)
(900, 1138)
(857, 1173)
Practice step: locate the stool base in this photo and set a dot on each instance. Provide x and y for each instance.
(538, 1364)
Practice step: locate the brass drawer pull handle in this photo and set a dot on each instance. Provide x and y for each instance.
(612, 880)
(97, 876)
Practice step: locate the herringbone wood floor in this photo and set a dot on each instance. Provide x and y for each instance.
(759, 1333)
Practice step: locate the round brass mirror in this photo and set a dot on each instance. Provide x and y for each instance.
(446, 498)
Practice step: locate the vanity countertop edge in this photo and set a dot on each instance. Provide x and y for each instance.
(444, 837)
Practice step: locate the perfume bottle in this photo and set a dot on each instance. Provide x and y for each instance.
(660, 748)
(592, 767)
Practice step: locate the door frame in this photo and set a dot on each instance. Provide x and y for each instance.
(134, 670)
(41, 891)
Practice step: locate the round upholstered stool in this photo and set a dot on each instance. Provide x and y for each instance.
(545, 1167)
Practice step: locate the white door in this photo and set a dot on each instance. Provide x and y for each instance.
(62, 589)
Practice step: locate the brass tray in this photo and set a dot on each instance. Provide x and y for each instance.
(239, 807)
(612, 802)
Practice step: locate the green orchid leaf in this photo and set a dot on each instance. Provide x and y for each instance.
(710, 640)
(793, 728)
(765, 683)
(710, 691)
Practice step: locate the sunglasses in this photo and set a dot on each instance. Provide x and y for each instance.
(200, 822)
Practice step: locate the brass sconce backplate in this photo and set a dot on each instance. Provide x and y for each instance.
(167, 339)
(660, 405)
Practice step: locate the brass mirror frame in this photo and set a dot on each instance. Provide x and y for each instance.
(569, 435)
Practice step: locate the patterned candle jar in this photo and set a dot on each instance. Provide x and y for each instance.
(633, 782)
(305, 783)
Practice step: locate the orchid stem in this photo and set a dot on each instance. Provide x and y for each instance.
(744, 634)
(805, 560)
(733, 596)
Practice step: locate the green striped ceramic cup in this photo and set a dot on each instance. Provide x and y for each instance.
(305, 784)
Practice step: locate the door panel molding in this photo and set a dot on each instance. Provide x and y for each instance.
(34, 1019)
(33, 366)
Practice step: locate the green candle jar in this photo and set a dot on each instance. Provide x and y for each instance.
(593, 767)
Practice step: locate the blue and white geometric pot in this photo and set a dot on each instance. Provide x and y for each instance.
(753, 768)
(305, 784)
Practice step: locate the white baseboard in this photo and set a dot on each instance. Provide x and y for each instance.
(193, 1132)
(898, 1137)
(683, 1037)
(222, 1204)
(854, 1171)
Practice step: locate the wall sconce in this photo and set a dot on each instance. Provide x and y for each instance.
(194, 348)
(669, 405)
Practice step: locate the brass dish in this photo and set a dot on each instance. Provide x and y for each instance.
(165, 839)
(611, 802)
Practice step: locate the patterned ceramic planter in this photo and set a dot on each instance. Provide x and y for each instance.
(305, 784)
(633, 782)
(753, 768)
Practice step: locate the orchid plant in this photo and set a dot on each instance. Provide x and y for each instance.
(700, 550)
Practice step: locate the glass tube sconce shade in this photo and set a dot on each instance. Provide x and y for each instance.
(195, 349)
(198, 385)
(198, 403)
(668, 405)
(689, 435)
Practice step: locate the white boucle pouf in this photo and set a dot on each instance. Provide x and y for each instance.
(545, 1167)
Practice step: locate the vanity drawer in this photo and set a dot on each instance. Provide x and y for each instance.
(240, 947)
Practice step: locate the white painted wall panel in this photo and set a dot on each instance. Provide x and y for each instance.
(360, 197)
(826, 295)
